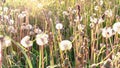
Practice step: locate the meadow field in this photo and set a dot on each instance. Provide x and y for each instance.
(59, 33)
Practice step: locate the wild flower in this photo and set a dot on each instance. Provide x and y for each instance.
(108, 13)
(41, 39)
(59, 26)
(107, 32)
(26, 42)
(65, 45)
(116, 27)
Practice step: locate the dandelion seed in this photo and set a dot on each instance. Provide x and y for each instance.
(26, 42)
(116, 27)
(65, 45)
(41, 39)
(59, 26)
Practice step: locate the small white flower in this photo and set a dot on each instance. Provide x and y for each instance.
(65, 45)
(116, 27)
(41, 39)
(26, 42)
(108, 13)
(81, 27)
(59, 26)
(107, 32)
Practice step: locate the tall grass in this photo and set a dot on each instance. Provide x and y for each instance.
(81, 26)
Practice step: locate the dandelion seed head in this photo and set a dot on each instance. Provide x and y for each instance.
(65, 45)
(65, 13)
(7, 41)
(41, 39)
(96, 8)
(59, 26)
(81, 27)
(116, 27)
(26, 42)
(108, 13)
(107, 32)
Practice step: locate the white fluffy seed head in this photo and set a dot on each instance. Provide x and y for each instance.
(41, 39)
(116, 27)
(26, 42)
(65, 45)
(59, 26)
